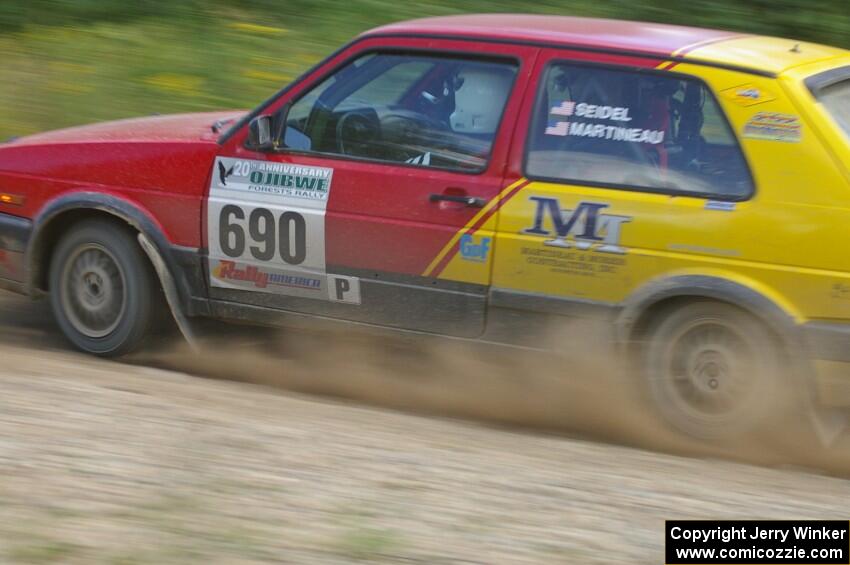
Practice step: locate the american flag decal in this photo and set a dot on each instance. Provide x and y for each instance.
(565, 108)
(558, 128)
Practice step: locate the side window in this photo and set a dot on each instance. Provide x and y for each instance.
(836, 98)
(635, 130)
(424, 110)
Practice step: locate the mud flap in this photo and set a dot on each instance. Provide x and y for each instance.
(170, 290)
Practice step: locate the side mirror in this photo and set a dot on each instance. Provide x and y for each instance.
(260, 134)
(280, 125)
(266, 133)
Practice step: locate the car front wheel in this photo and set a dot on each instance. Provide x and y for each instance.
(103, 291)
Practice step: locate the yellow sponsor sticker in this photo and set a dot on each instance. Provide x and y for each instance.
(773, 126)
(748, 95)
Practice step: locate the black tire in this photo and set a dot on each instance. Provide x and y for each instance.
(713, 371)
(103, 291)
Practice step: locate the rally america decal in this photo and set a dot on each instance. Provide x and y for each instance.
(266, 230)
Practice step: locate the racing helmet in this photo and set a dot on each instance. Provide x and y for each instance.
(479, 99)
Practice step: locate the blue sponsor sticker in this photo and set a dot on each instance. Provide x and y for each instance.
(470, 250)
(719, 205)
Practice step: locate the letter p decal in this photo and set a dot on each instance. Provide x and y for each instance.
(344, 289)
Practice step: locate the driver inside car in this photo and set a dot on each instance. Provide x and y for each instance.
(457, 124)
(425, 111)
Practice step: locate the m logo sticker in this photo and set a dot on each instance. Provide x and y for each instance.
(584, 228)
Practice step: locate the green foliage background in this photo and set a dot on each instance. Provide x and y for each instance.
(65, 62)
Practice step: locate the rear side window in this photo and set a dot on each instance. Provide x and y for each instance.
(638, 130)
(836, 99)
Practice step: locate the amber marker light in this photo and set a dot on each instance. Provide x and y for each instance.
(11, 199)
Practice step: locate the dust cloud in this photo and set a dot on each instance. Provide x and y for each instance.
(582, 386)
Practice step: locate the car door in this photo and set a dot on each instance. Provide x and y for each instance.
(387, 152)
(632, 173)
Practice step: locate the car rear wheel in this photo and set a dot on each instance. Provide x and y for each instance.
(713, 371)
(103, 292)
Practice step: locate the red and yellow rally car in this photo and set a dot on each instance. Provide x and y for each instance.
(479, 177)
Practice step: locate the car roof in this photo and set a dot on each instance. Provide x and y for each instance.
(769, 55)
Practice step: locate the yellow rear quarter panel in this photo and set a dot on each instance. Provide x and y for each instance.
(787, 242)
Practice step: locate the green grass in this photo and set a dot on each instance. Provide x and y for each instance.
(60, 76)
(364, 543)
(38, 551)
(91, 60)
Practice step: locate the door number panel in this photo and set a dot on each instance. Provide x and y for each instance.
(266, 230)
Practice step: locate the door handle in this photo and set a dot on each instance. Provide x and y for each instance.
(470, 201)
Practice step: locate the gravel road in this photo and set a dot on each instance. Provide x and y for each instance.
(104, 462)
